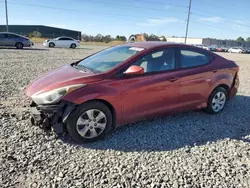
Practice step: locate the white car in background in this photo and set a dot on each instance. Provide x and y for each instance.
(62, 42)
(202, 46)
(235, 50)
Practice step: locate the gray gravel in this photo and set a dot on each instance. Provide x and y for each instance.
(186, 150)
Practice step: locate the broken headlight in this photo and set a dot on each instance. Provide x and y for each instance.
(55, 95)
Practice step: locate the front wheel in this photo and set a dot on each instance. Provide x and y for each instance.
(51, 45)
(73, 45)
(89, 122)
(217, 101)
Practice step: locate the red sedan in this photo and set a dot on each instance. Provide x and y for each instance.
(131, 82)
(219, 49)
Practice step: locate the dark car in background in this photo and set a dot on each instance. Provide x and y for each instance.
(246, 50)
(225, 49)
(14, 40)
(213, 48)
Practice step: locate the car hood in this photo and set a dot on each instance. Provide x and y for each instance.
(64, 76)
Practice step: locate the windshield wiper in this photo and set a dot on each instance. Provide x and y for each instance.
(83, 68)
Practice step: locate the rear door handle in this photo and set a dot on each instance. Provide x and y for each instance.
(214, 71)
(174, 79)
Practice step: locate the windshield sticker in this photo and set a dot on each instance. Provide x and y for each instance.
(136, 49)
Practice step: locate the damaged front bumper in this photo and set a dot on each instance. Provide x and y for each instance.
(51, 116)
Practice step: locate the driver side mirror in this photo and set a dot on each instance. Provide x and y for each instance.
(134, 70)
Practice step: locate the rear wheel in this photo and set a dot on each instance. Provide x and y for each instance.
(51, 45)
(73, 45)
(19, 45)
(89, 122)
(217, 101)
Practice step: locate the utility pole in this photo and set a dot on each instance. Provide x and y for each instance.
(189, 8)
(6, 11)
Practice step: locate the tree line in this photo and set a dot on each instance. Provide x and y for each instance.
(241, 39)
(108, 38)
(102, 38)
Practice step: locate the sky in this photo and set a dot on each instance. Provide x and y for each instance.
(223, 19)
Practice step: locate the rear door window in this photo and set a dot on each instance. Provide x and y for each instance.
(12, 36)
(68, 39)
(65, 38)
(193, 58)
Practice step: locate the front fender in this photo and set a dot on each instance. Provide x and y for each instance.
(108, 95)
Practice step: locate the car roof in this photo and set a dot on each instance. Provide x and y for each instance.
(13, 34)
(153, 44)
(9, 33)
(64, 37)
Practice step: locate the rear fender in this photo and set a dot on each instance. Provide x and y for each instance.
(222, 79)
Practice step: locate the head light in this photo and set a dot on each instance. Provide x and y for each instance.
(55, 95)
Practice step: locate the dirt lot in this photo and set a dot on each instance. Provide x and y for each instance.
(186, 150)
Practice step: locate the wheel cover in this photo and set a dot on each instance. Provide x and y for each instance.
(19, 45)
(218, 101)
(91, 123)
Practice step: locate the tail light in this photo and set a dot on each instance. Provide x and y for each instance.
(78, 41)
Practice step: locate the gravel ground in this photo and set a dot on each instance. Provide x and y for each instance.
(186, 150)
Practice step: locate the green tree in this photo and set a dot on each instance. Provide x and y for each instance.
(86, 37)
(163, 38)
(153, 37)
(98, 38)
(107, 39)
(240, 40)
(123, 38)
(248, 39)
(35, 34)
(146, 36)
(120, 38)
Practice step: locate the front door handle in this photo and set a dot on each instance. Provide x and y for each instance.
(174, 79)
(214, 71)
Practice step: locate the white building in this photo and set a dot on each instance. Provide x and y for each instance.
(182, 40)
(207, 41)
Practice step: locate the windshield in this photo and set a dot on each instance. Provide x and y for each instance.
(109, 58)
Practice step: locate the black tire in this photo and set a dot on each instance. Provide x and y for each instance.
(209, 108)
(71, 123)
(19, 45)
(51, 44)
(73, 46)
